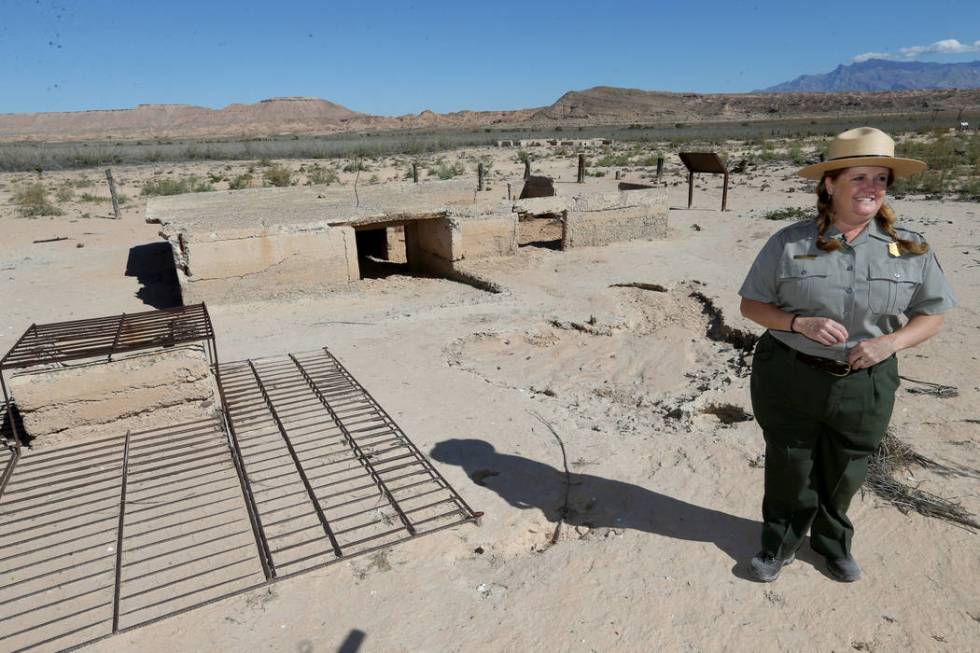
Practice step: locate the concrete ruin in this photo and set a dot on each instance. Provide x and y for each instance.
(81, 402)
(232, 246)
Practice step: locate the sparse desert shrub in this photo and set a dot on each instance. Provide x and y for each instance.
(608, 160)
(278, 176)
(374, 179)
(317, 175)
(444, 171)
(240, 181)
(65, 192)
(523, 156)
(788, 213)
(970, 189)
(156, 187)
(264, 162)
(33, 201)
(354, 166)
(215, 177)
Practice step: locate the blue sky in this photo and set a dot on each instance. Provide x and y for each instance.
(392, 58)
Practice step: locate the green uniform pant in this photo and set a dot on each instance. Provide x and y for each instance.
(820, 431)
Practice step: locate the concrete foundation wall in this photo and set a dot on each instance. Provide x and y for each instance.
(269, 265)
(494, 235)
(87, 402)
(432, 245)
(594, 228)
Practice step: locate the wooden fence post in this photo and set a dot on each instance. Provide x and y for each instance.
(527, 167)
(581, 169)
(690, 189)
(724, 194)
(479, 176)
(415, 172)
(660, 167)
(112, 192)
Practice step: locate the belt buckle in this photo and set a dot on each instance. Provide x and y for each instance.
(846, 367)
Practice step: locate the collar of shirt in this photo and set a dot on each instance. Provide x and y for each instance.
(873, 230)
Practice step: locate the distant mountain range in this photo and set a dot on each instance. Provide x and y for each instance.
(602, 105)
(875, 75)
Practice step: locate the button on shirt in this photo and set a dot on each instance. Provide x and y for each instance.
(861, 285)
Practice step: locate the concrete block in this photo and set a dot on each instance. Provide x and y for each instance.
(654, 197)
(269, 264)
(90, 401)
(492, 235)
(594, 228)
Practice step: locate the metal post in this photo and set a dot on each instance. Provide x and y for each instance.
(112, 191)
(479, 176)
(581, 169)
(527, 167)
(660, 167)
(116, 596)
(415, 172)
(508, 191)
(724, 194)
(690, 189)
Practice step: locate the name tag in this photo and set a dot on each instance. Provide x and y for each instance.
(804, 256)
(893, 249)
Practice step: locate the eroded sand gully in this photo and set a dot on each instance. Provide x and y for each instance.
(655, 483)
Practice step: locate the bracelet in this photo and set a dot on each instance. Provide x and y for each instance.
(792, 322)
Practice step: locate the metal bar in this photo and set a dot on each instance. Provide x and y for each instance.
(119, 537)
(255, 520)
(115, 340)
(14, 435)
(296, 461)
(3, 360)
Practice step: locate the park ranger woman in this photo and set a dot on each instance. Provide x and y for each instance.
(831, 292)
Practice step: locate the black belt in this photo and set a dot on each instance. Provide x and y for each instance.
(828, 365)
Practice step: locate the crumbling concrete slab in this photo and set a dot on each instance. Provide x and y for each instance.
(596, 228)
(90, 401)
(273, 243)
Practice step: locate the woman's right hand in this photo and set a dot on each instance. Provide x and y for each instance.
(821, 329)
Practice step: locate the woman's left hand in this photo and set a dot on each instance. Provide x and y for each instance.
(871, 352)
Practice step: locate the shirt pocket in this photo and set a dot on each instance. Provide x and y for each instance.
(800, 281)
(891, 285)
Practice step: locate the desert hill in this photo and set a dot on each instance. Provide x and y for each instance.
(599, 105)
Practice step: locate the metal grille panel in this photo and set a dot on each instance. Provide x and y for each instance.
(331, 473)
(306, 470)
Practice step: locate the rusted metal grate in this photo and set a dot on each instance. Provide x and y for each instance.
(104, 336)
(104, 536)
(332, 475)
(304, 469)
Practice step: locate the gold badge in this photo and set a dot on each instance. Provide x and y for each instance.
(893, 249)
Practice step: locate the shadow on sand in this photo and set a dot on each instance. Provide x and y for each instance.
(599, 502)
(153, 266)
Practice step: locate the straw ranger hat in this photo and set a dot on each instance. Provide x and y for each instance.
(864, 146)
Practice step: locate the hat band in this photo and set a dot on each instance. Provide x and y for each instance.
(863, 156)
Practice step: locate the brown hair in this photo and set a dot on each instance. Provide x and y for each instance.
(885, 219)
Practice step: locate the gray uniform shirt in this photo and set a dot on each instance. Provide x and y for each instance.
(862, 284)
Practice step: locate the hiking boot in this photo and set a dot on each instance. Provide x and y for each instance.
(765, 567)
(845, 570)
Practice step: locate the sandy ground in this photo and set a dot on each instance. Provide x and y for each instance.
(663, 495)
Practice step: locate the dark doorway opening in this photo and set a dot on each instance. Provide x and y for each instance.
(381, 252)
(541, 230)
